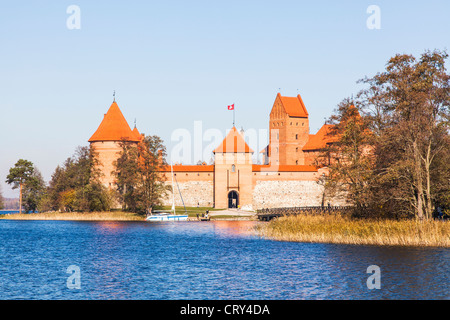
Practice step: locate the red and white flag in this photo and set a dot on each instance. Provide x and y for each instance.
(231, 107)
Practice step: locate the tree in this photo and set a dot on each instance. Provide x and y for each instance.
(139, 180)
(33, 191)
(75, 186)
(152, 153)
(349, 156)
(409, 107)
(2, 205)
(127, 175)
(20, 175)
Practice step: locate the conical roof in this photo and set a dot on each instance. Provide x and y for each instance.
(137, 134)
(114, 127)
(233, 143)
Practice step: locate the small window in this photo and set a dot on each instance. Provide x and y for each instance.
(296, 123)
(296, 149)
(296, 137)
(278, 136)
(303, 124)
(233, 168)
(296, 161)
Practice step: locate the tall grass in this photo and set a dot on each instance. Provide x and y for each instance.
(345, 230)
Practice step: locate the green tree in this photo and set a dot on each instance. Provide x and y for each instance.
(127, 176)
(20, 175)
(2, 205)
(75, 186)
(33, 191)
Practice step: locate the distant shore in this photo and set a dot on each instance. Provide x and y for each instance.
(123, 216)
(343, 230)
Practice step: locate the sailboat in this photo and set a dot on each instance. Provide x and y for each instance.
(171, 215)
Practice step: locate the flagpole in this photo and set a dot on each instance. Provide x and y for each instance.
(233, 114)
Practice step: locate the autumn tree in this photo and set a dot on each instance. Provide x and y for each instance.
(348, 155)
(140, 182)
(408, 105)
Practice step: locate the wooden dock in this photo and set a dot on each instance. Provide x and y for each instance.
(270, 213)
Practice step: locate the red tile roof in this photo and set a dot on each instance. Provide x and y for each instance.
(233, 143)
(320, 139)
(294, 106)
(189, 168)
(283, 168)
(114, 127)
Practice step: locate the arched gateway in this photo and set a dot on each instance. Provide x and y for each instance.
(233, 199)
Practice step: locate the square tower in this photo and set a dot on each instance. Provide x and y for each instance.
(289, 131)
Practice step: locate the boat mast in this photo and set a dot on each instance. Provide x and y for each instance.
(173, 193)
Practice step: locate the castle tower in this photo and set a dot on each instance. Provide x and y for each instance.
(289, 131)
(233, 172)
(106, 141)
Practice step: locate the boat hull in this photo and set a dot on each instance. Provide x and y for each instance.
(168, 217)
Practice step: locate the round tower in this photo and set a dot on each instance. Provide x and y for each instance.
(106, 142)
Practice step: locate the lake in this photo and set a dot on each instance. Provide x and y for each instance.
(202, 260)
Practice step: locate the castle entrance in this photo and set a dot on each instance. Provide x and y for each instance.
(233, 199)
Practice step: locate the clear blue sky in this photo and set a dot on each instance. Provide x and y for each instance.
(176, 62)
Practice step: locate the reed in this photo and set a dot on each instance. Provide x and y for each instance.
(84, 216)
(345, 230)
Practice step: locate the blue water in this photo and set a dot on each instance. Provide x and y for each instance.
(8, 211)
(203, 260)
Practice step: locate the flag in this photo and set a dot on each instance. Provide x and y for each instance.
(231, 107)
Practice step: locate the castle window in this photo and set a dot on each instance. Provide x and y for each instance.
(296, 149)
(296, 123)
(296, 161)
(291, 123)
(233, 168)
(303, 124)
(296, 137)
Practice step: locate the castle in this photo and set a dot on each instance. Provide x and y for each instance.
(288, 177)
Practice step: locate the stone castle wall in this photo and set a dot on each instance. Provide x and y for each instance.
(193, 192)
(292, 193)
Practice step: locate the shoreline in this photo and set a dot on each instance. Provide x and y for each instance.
(333, 229)
(116, 216)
